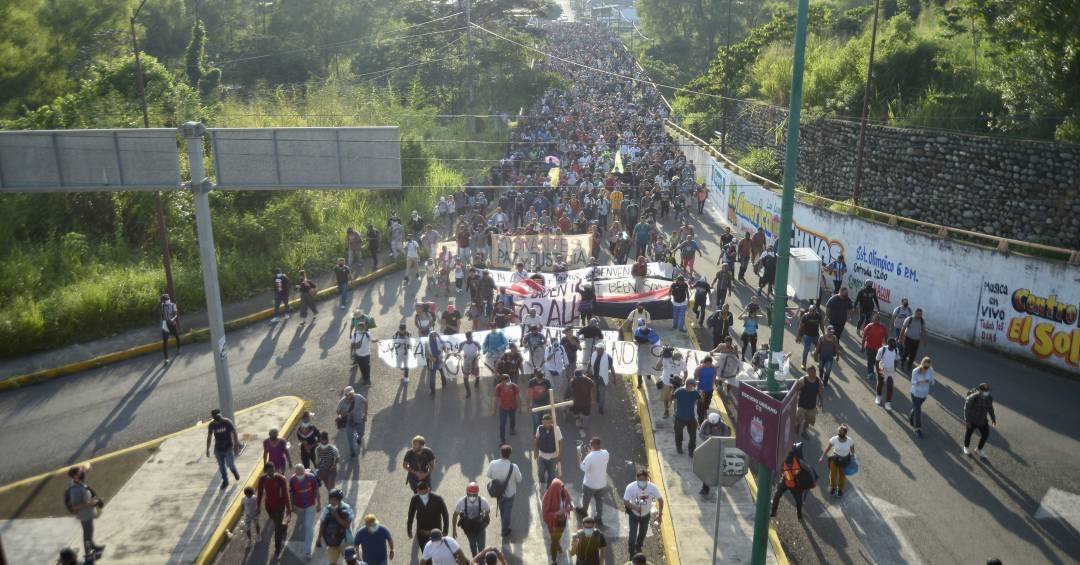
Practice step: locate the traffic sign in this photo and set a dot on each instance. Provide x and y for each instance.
(717, 462)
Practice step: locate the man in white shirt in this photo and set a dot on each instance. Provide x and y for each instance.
(887, 357)
(594, 485)
(520, 274)
(555, 361)
(547, 445)
(442, 551)
(638, 498)
(361, 351)
(506, 472)
(470, 354)
(412, 259)
(472, 511)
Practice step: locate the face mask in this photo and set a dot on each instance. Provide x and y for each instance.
(588, 531)
(642, 484)
(305, 424)
(373, 529)
(985, 393)
(424, 498)
(473, 496)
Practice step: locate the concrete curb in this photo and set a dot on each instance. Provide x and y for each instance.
(232, 513)
(667, 526)
(45, 375)
(751, 482)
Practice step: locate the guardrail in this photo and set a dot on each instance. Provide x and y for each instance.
(1003, 244)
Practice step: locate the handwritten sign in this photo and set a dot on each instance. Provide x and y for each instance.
(540, 252)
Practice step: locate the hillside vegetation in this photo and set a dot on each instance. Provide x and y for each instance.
(1008, 67)
(79, 266)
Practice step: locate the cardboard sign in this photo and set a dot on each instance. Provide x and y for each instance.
(540, 252)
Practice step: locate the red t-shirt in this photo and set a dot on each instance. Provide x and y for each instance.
(874, 336)
(507, 393)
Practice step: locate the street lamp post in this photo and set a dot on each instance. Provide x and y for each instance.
(783, 248)
(159, 211)
(727, 70)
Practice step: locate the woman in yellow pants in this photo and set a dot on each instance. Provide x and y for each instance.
(843, 449)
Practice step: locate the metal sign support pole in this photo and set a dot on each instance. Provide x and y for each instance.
(719, 491)
(200, 186)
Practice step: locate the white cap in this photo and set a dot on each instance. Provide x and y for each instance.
(714, 418)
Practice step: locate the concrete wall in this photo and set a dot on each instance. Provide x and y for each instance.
(1027, 190)
(1025, 306)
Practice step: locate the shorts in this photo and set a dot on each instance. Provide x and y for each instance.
(665, 394)
(580, 410)
(807, 415)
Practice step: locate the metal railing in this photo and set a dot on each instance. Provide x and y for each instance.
(1003, 244)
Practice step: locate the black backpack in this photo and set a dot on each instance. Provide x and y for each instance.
(333, 533)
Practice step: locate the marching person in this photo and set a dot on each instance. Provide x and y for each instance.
(978, 415)
(713, 426)
(555, 508)
(790, 470)
(335, 526)
(506, 405)
(602, 370)
(342, 275)
(843, 449)
(226, 445)
(638, 498)
(811, 399)
(873, 338)
(307, 288)
(428, 511)
(326, 461)
(547, 447)
(921, 379)
(473, 514)
(85, 505)
(887, 359)
(361, 351)
(353, 408)
(418, 463)
(911, 335)
(686, 400)
(304, 498)
(588, 544)
(508, 476)
(281, 288)
(595, 483)
(273, 495)
(170, 325)
(828, 347)
(470, 362)
(374, 542)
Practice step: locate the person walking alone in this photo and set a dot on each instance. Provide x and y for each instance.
(307, 290)
(978, 415)
(353, 409)
(170, 325)
(843, 449)
(555, 507)
(921, 379)
(281, 288)
(342, 275)
(506, 474)
(473, 514)
(84, 504)
(790, 471)
(887, 358)
(226, 445)
(638, 498)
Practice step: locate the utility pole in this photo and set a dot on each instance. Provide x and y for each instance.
(783, 248)
(468, 48)
(865, 110)
(200, 186)
(159, 211)
(727, 69)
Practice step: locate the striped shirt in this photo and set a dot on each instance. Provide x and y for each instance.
(303, 490)
(326, 457)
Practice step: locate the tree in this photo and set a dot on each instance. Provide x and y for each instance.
(205, 80)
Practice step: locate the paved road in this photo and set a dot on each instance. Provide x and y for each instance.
(922, 500)
(110, 408)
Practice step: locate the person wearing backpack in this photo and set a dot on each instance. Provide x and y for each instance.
(978, 415)
(473, 513)
(721, 323)
(503, 478)
(308, 291)
(810, 327)
(795, 476)
(335, 526)
(83, 503)
(281, 294)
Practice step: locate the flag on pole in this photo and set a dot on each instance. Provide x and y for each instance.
(618, 168)
(553, 174)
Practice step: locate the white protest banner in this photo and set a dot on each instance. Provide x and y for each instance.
(553, 310)
(540, 252)
(574, 276)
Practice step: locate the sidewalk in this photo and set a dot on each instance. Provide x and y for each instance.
(169, 510)
(694, 515)
(192, 317)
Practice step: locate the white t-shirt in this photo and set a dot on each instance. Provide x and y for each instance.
(886, 358)
(470, 511)
(498, 469)
(672, 367)
(641, 499)
(412, 249)
(841, 448)
(469, 349)
(442, 552)
(594, 465)
(361, 344)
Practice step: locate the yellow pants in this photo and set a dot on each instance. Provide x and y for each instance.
(837, 479)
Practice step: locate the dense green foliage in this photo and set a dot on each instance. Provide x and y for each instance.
(78, 266)
(996, 66)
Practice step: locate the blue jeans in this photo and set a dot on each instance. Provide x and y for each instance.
(477, 541)
(280, 299)
(678, 317)
(355, 435)
(601, 394)
(226, 458)
(343, 291)
(505, 415)
(506, 506)
(587, 496)
(431, 376)
(825, 366)
(546, 470)
(808, 344)
(916, 411)
(639, 526)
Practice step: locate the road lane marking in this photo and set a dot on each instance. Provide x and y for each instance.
(874, 520)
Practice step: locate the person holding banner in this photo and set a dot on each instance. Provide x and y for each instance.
(705, 376)
(587, 302)
(435, 352)
(556, 362)
(469, 351)
(592, 335)
(402, 343)
(602, 370)
(680, 295)
(534, 342)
